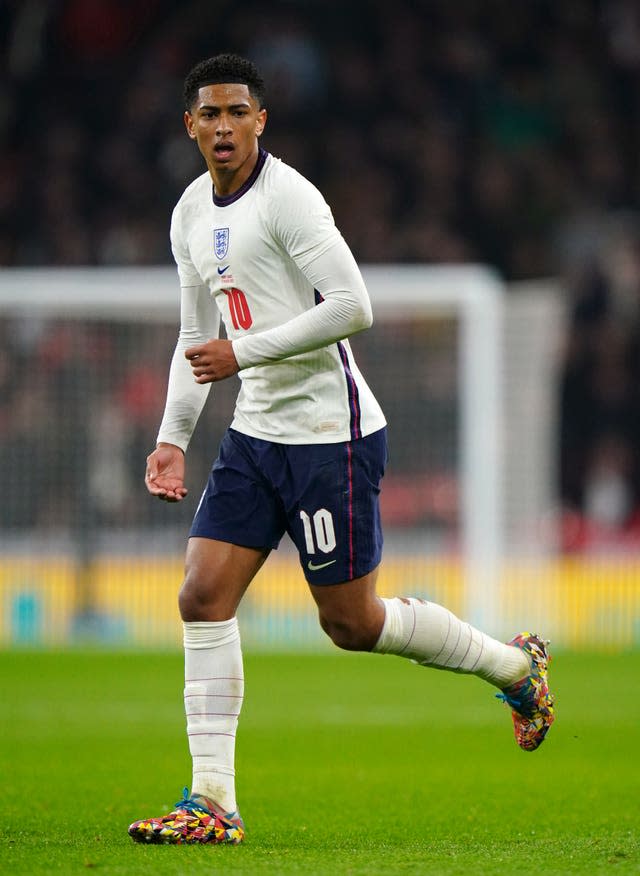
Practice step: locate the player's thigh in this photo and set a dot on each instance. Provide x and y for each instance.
(239, 504)
(217, 574)
(351, 613)
(349, 600)
(333, 508)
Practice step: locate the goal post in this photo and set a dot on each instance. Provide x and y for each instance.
(474, 296)
(470, 298)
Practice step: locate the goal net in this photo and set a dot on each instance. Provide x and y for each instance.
(88, 555)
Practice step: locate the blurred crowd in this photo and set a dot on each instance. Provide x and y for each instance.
(475, 130)
(80, 405)
(439, 131)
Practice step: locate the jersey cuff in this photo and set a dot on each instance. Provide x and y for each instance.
(237, 347)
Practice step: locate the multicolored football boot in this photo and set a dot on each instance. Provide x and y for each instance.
(530, 700)
(195, 819)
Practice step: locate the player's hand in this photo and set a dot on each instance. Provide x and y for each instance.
(212, 361)
(164, 477)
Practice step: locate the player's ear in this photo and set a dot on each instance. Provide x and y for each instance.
(261, 121)
(189, 125)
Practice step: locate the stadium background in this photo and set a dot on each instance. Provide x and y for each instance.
(443, 134)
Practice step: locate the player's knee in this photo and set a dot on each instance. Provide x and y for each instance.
(197, 601)
(349, 635)
(188, 601)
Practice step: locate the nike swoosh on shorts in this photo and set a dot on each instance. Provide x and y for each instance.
(313, 568)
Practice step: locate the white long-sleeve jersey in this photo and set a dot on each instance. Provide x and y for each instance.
(270, 261)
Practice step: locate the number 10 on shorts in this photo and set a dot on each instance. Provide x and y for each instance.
(319, 531)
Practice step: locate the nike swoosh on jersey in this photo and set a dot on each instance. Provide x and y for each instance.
(313, 568)
(224, 270)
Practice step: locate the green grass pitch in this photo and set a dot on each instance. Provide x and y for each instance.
(347, 764)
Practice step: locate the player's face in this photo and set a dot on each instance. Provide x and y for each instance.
(226, 122)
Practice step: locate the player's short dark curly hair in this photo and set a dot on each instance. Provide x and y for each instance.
(219, 69)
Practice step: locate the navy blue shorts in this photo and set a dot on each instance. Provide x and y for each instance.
(324, 495)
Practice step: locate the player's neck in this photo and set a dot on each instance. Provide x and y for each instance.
(227, 181)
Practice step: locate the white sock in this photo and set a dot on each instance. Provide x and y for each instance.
(432, 636)
(213, 694)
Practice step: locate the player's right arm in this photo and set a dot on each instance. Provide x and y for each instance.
(165, 473)
(199, 321)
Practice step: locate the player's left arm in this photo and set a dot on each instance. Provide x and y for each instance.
(343, 309)
(303, 226)
(212, 361)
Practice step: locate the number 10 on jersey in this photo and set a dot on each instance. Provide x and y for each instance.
(238, 308)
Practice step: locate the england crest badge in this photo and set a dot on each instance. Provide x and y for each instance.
(220, 242)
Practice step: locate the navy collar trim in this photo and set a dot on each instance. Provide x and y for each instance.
(246, 185)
